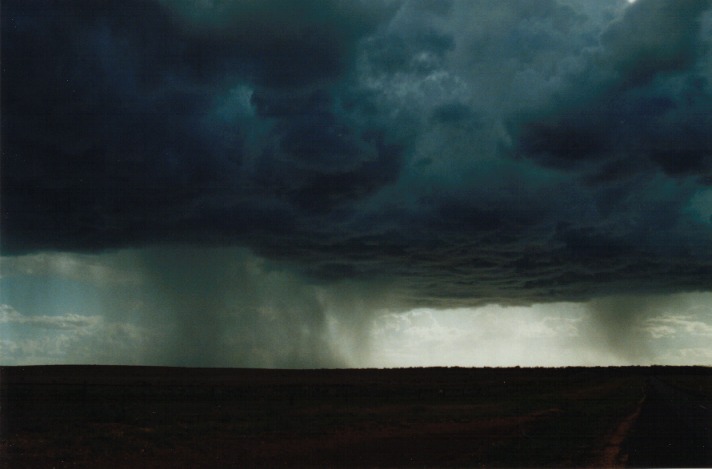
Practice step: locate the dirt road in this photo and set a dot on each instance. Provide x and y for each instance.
(674, 429)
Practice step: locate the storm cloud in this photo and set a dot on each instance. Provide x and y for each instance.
(461, 152)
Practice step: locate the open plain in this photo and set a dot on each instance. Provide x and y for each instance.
(122, 416)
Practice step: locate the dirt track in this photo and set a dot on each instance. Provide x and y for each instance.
(674, 429)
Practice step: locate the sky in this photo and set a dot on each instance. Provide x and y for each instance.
(270, 183)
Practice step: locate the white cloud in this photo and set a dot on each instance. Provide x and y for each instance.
(71, 338)
(659, 331)
(677, 325)
(96, 269)
(557, 334)
(688, 356)
(8, 315)
(488, 336)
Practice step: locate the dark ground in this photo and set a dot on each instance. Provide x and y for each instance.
(106, 416)
(674, 428)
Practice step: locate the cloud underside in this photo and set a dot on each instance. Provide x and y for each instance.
(460, 152)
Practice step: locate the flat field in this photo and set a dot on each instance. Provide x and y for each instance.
(119, 416)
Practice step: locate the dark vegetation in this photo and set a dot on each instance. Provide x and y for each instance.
(116, 416)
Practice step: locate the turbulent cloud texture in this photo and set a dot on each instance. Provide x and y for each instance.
(463, 152)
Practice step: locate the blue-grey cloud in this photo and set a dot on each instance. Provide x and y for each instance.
(466, 152)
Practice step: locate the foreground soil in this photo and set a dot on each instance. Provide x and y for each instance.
(113, 416)
(674, 428)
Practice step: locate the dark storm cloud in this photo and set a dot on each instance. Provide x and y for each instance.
(285, 43)
(654, 37)
(642, 101)
(320, 161)
(110, 135)
(464, 152)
